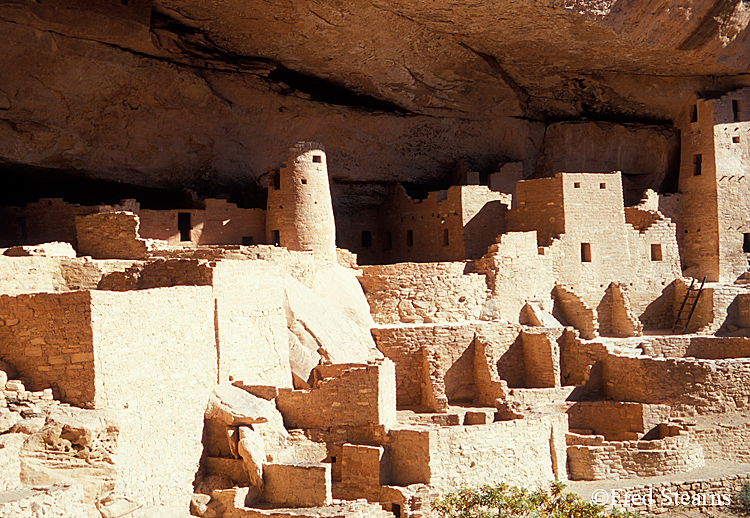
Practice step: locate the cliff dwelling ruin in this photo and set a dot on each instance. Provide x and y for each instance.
(306, 259)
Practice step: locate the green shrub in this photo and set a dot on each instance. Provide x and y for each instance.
(742, 499)
(502, 501)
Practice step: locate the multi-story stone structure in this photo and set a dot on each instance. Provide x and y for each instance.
(715, 185)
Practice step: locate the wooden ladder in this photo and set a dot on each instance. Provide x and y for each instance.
(688, 305)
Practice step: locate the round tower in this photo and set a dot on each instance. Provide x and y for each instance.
(300, 212)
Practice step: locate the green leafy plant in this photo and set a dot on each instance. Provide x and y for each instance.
(503, 501)
(742, 499)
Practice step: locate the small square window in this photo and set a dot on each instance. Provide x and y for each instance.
(656, 252)
(304, 181)
(602, 185)
(577, 185)
(317, 159)
(735, 140)
(585, 252)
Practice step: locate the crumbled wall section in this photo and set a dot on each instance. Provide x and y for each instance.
(445, 355)
(516, 274)
(576, 312)
(581, 361)
(48, 338)
(359, 396)
(688, 385)
(615, 316)
(592, 458)
(110, 235)
(423, 292)
(155, 363)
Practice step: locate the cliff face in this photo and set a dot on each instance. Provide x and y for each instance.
(197, 92)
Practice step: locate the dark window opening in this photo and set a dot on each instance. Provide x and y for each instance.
(736, 111)
(184, 225)
(446, 237)
(409, 238)
(656, 252)
(697, 165)
(124, 2)
(388, 240)
(304, 182)
(746, 243)
(577, 185)
(366, 238)
(276, 238)
(248, 240)
(585, 252)
(333, 460)
(317, 159)
(23, 229)
(602, 185)
(396, 510)
(735, 140)
(277, 181)
(694, 113)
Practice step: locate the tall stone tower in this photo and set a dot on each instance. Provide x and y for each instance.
(300, 212)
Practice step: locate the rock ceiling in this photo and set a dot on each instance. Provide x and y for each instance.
(197, 92)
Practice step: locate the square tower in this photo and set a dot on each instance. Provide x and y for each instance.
(714, 183)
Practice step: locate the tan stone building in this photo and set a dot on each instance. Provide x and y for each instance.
(715, 185)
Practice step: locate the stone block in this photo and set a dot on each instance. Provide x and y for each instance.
(298, 484)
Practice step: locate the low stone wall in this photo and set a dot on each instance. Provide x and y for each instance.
(616, 420)
(525, 452)
(662, 497)
(689, 386)
(593, 458)
(362, 395)
(47, 337)
(724, 441)
(423, 292)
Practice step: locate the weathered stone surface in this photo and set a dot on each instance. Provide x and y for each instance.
(323, 330)
(234, 407)
(55, 249)
(252, 451)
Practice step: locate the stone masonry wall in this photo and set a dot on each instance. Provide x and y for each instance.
(516, 274)
(362, 395)
(47, 337)
(689, 386)
(423, 292)
(724, 441)
(220, 223)
(593, 458)
(616, 420)
(155, 366)
(110, 235)
(525, 452)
